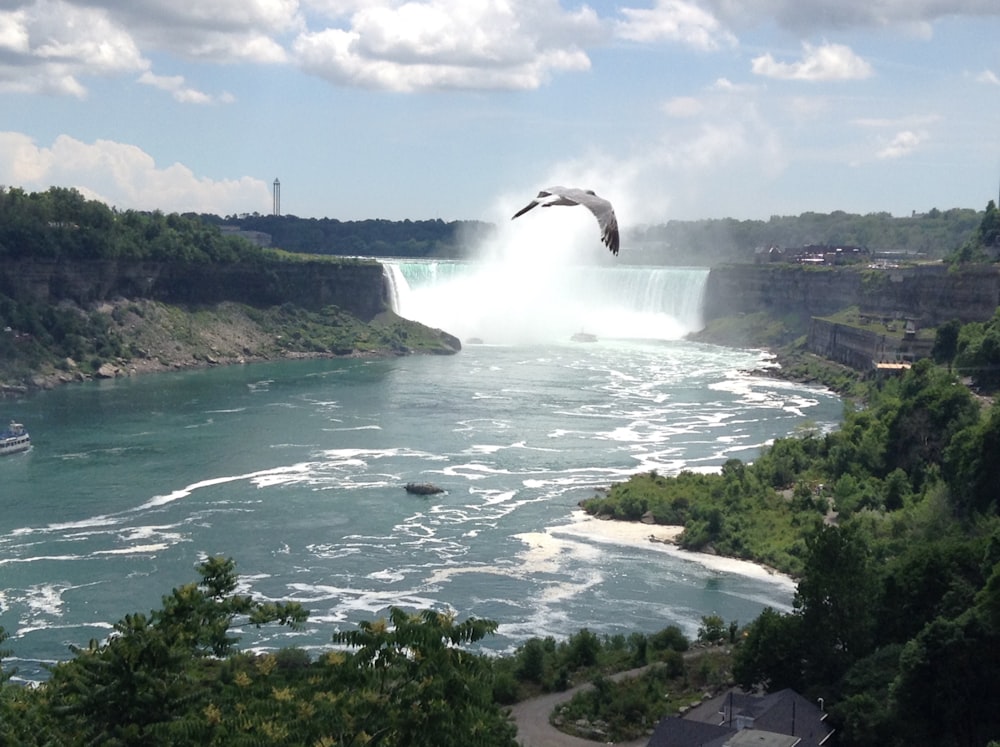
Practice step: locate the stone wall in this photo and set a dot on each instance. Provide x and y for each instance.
(859, 348)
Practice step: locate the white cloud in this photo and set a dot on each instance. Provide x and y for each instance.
(988, 76)
(49, 45)
(219, 30)
(811, 16)
(175, 85)
(14, 36)
(902, 144)
(683, 106)
(825, 62)
(451, 44)
(53, 46)
(125, 176)
(674, 20)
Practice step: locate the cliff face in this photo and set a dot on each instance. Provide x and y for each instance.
(929, 294)
(926, 295)
(357, 287)
(778, 289)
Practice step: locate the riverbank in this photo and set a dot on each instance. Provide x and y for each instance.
(143, 336)
(663, 538)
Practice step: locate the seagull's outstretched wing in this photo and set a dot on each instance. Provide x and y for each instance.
(600, 207)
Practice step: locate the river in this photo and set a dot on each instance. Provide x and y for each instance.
(296, 470)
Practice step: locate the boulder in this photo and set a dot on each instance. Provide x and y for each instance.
(423, 488)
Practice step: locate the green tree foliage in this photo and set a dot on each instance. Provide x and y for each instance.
(978, 353)
(371, 238)
(932, 234)
(983, 244)
(946, 342)
(972, 466)
(175, 677)
(147, 671)
(834, 599)
(770, 655)
(61, 223)
(416, 686)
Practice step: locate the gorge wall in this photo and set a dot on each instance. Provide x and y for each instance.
(356, 286)
(928, 294)
(925, 296)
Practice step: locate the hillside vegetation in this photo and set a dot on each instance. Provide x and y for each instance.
(43, 342)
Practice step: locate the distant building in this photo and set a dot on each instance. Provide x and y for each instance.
(814, 254)
(738, 719)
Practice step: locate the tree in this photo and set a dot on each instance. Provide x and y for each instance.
(946, 342)
(712, 629)
(947, 675)
(972, 469)
(415, 687)
(835, 602)
(771, 653)
(145, 673)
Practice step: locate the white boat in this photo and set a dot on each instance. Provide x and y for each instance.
(14, 439)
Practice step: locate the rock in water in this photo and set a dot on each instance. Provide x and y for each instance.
(423, 488)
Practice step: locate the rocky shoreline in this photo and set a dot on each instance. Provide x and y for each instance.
(162, 337)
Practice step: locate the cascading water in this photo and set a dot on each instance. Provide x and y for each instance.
(506, 304)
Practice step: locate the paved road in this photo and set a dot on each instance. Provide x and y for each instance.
(534, 729)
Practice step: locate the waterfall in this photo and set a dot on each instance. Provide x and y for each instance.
(505, 304)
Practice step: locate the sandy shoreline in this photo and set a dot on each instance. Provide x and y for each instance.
(662, 538)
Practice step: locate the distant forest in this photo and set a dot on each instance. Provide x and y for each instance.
(61, 222)
(933, 235)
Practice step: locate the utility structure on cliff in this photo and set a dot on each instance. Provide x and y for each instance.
(277, 197)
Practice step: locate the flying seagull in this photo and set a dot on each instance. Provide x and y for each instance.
(601, 209)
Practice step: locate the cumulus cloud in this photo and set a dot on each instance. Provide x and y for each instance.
(176, 86)
(674, 20)
(825, 62)
(124, 175)
(47, 46)
(451, 44)
(215, 30)
(902, 144)
(988, 76)
(811, 16)
(53, 46)
(683, 106)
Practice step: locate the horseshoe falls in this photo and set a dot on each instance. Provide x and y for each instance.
(505, 303)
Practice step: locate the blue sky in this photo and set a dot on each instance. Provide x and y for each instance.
(463, 109)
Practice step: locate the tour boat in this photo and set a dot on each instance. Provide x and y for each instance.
(14, 439)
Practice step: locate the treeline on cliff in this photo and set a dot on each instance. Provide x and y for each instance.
(933, 235)
(375, 237)
(891, 524)
(60, 222)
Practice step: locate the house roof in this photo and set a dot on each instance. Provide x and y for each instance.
(737, 719)
(681, 732)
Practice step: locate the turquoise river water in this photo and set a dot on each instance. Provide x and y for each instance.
(296, 470)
